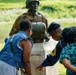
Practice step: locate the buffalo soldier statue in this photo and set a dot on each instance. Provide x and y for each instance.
(39, 22)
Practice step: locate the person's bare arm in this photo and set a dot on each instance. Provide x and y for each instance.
(68, 65)
(26, 45)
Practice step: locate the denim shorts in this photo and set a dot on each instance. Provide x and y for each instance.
(6, 69)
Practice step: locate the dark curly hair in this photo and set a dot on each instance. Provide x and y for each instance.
(25, 24)
(69, 34)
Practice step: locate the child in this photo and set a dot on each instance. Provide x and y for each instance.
(68, 54)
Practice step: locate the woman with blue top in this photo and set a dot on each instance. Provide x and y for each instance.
(17, 50)
(68, 54)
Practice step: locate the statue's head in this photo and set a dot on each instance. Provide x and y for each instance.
(32, 5)
(30, 1)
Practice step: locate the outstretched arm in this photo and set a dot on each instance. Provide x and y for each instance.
(52, 58)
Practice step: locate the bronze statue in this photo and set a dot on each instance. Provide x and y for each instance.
(39, 22)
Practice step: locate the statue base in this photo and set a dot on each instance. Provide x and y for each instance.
(39, 53)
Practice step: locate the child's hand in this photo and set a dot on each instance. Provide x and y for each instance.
(40, 68)
(23, 70)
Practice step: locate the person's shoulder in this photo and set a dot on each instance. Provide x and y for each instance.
(25, 13)
(21, 15)
(41, 14)
(26, 42)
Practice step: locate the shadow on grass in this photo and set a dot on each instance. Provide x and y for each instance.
(11, 1)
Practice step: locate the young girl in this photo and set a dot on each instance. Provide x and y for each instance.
(68, 54)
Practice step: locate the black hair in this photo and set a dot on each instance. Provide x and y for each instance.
(69, 34)
(25, 24)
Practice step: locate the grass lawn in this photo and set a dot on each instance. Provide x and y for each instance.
(4, 31)
(61, 69)
(52, 9)
(4, 6)
(1, 46)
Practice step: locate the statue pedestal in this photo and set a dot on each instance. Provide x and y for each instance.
(39, 53)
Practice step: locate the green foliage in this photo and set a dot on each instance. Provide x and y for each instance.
(12, 1)
(52, 9)
(5, 6)
(9, 4)
(58, 9)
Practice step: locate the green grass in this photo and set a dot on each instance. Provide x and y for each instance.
(61, 69)
(9, 15)
(1, 46)
(4, 30)
(58, 9)
(12, 1)
(9, 4)
(66, 22)
(4, 6)
(53, 9)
